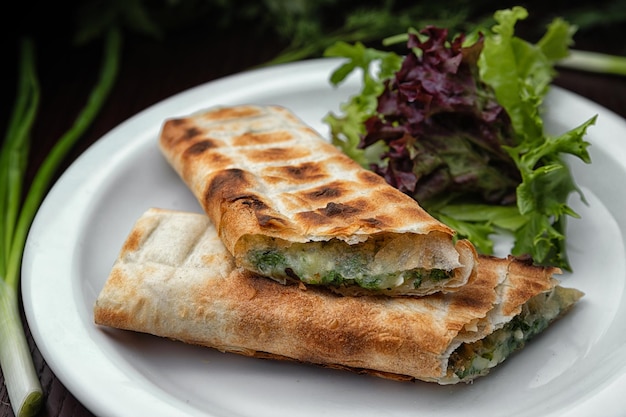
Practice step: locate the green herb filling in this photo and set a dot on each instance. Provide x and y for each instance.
(335, 264)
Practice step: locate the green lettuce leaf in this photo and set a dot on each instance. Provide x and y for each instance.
(348, 127)
(520, 74)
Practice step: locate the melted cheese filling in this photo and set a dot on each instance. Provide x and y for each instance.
(365, 264)
(477, 358)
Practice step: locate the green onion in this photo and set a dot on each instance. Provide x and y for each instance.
(594, 62)
(17, 367)
(24, 389)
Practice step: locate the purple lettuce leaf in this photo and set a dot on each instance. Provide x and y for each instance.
(443, 126)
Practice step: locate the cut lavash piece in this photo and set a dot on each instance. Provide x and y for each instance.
(289, 205)
(174, 278)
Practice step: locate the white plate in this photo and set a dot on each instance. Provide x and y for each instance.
(576, 368)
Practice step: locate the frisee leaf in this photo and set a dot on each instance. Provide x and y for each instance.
(375, 66)
(520, 74)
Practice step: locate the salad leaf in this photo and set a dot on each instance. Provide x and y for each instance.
(520, 74)
(346, 130)
(458, 125)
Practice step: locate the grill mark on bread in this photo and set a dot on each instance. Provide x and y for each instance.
(324, 192)
(250, 200)
(133, 242)
(304, 171)
(328, 214)
(374, 222)
(312, 218)
(228, 184)
(471, 302)
(276, 154)
(191, 133)
(231, 113)
(268, 221)
(335, 211)
(339, 210)
(265, 216)
(176, 131)
(139, 235)
(371, 178)
(232, 185)
(199, 147)
(254, 138)
(391, 195)
(200, 152)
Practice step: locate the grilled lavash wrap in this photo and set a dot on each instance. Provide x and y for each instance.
(175, 279)
(289, 205)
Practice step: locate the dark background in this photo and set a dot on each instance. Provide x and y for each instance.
(199, 41)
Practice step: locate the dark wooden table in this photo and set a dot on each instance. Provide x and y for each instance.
(156, 69)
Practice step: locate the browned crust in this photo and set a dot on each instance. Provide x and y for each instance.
(201, 298)
(527, 280)
(270, 174)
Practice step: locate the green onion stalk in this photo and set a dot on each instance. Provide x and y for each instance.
(17, 214)
(595, 62)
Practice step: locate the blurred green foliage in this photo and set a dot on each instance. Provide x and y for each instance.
(307, 27)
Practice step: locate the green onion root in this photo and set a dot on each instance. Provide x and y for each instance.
(19, 373)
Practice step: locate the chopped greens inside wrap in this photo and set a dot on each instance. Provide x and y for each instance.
(478, 358)
(347, 265)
